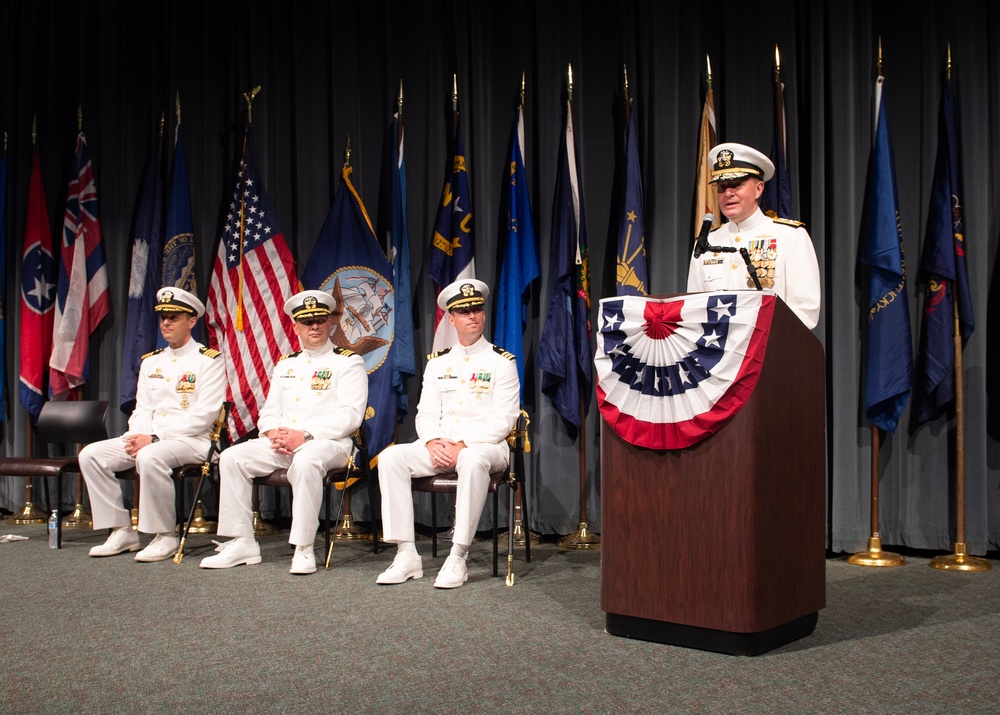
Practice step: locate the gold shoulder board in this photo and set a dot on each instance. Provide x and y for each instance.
(209, 352)
(789, 222)
(290, 355)
(343, 351)
(439, 353)
(500, 351)
(151, 354)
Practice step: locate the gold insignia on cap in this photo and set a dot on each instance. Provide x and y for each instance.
(166, 296)
(309, 302)
(725, 158)
(468, 289)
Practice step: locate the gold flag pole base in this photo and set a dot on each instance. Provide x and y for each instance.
(134, 516)
(348, 530)
(960, 561)
(27, 515)
(200, 525)
(261, 527)
(582, 538)
(520, 531)
(79, 519)
(874, 556)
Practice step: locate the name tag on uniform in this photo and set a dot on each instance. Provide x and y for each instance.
(713, 261)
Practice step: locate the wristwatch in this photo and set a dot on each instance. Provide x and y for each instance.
(306, 436)
(153, 438)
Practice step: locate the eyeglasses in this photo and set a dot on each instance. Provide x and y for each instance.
(468, 310)
(309, 322)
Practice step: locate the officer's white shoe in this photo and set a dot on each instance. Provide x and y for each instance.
(233, 553)
(121, 539)
(161, 548)
(404, 567)
(453, 574)
(304, 560)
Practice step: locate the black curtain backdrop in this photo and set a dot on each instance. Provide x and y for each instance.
(333, 69)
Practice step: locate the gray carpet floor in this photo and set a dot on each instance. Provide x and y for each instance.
(83, 635)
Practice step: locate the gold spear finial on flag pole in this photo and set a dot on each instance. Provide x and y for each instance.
(177, 107)
(249, 100)
(161, 123)
(569, 81)
(79, 117)
(879, 65)
(625, 82)
(949, 60)
(522, 88)
(708, 68)
(399, 98)
(777, 64)
(454, 93)
(347, 152)
(34, 129)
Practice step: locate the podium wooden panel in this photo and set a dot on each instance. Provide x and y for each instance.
(721, 546)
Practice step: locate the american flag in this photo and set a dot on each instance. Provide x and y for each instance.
(82, 286)
(253, 276)
(38, 281)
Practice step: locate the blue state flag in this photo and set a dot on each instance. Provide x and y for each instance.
(943, 269)
(564, 351)
(178, 248)
(776, 201)
(453, 251)
(348, 263)
(889, 360)
(141, 325)
(520, 260)
(404, 363)
(630, 274)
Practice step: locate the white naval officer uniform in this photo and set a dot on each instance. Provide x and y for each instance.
(178, 397)
(323, 392)
(471, 395)
(795, 273)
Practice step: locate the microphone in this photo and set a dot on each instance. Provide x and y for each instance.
(750, 269)
(701, 243)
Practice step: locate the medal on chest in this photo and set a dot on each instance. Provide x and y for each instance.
(479, 383)
(184, 387)
(321, 379)
(763, 254)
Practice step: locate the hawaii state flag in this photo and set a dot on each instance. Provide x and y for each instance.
(672, 372)
(253, 276)
(82, 299)
(453, 251)
(38, 282)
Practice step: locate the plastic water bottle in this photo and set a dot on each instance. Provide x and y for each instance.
(53, 530)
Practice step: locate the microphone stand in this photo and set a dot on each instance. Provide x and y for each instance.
(707, 248)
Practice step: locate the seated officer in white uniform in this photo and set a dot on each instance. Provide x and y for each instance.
(781, 250)
(469, 402)
(178, 396)
(316, 400)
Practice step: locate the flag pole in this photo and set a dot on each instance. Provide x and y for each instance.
(520, 534)
(582, 538)
(347, 529)
(959, 560)
(260, 527)
(875, 556)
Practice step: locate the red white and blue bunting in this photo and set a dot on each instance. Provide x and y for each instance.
(672, 371)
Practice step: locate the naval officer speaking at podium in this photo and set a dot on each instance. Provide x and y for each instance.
(780, 250)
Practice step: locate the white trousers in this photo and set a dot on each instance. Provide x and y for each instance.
(155, 463)
(238, 466)
(400, 463)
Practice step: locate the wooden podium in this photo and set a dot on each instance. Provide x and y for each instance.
(721, 546)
